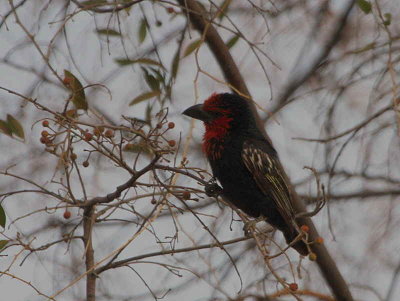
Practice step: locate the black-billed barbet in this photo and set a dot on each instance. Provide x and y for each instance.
(246, 163)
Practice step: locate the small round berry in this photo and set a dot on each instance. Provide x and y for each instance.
(186, 195)
(171, 143)
(43, 140)
(312, 256)
(96, 132)
(45, 123)
(67, 214)
(170, 10)
(171, 125)
(45, 133)
(305, 228)
(293, 286)
(319, 240)
(73, 156)
(153, 201)
(85, 163)
(88, 136)
(71, 113)
(109, 134)
(159, 125)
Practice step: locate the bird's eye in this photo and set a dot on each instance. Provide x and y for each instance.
(216, 114)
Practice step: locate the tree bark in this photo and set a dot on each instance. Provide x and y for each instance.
(88, 220)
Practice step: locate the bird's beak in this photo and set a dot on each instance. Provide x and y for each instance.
(197, 112)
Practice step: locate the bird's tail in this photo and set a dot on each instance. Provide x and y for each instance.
(300, 246)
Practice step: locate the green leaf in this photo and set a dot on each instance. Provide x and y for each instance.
(232, 41)
(365, 6)
(149, 108)
(5, 128)
(160, 77)
(93, 3)
(192, 47)
(175, 63)
(78, 94)
(142, 31)
(144, 96)
(2, 217)
(388, 19)
(365, 48)
(15, 126)
(3, 243)
(224, 9)
(144, 61)
(151, 81)
(109, 32)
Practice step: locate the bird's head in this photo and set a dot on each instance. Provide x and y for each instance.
(224, 110)
(222, 114)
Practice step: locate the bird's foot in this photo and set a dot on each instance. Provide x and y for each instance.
(250, 226)
(212, 189)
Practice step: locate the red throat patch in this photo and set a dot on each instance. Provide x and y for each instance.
(217, 129)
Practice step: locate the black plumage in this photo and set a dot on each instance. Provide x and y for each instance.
(246, 163)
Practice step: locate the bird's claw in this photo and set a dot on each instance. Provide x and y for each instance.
(212, 189)
(250, 226)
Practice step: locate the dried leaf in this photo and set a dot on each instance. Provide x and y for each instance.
(136, 148)
(78, 94)
(15, 126)
(192, 47)
(108, 32)
(144, 96)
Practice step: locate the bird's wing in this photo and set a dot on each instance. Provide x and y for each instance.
(268, 174)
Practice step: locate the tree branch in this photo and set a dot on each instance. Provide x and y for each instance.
(296, 82)
(126, 261)
(117, 193)
(88, 221)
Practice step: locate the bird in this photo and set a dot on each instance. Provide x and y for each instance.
(246, 163)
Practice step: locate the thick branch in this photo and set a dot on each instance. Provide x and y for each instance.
(354, 195)
(88, 221)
